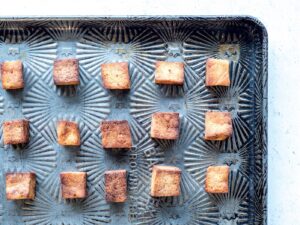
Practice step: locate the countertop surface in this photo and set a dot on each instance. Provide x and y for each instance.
(282, 20)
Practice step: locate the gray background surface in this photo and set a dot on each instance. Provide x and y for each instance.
(281, 19)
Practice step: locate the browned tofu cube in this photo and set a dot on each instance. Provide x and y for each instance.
(65, 72)
(115, 186)
(12, 75)
(217, 72)
(20, 186)
(217, 179)
(68, 133)
(116, 134)
(165, 181)
(169, 73)
(218, 126)
(115, 76)
(165, 125)
(73, 185)
(15, 132)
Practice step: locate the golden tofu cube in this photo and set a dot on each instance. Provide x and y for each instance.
(116, 134)
(68, 133)
(165, 125)
(12, 75)
(165, 181)
(73, 185)
(115, 76)
(169, 73)
(15, 132)
(217, 72)
(115, 186)
(218, 126)
(65, 72)
(20, 186)
(217, 179)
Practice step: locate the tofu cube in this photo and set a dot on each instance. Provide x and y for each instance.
(165, 125)
(15, 132)
(218, 126)
(20, 186)
(217, 179)
(116, 134)
(115, 76)
(169, 73)
(217, 72)
(165, 181)
(68, 133)
(65, 72)
(73, 185)
(115, 186)
(12, 75)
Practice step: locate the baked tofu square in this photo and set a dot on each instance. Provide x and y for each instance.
(217, 179)
(15, 132)
(12, 75)
(169, 73)
(115, 186)
(165, 181)
(217, 72)
(218, 126)
(73, 185)
(68, 133)
(115, 76)
(116, 134)
(65, 72)
(165, 125)
(20, 186)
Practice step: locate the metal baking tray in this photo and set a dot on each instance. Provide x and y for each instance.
(141, 41)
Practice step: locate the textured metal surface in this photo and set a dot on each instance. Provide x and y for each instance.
(141, 41)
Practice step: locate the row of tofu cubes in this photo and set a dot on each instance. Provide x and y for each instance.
(165, 182)
(116, 134)
(116, 75)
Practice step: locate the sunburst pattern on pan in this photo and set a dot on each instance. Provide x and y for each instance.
(88, 102)
(140, 47)
(218, 44)
(237, 99)
(120, 105)
(34, 47)
(164, 211)
(141, 42)
(192, 105)
(138, 161)
(49, 211)
(234, 205)
(66, 155)
(174, 150)
(36, 156)
(202, 154)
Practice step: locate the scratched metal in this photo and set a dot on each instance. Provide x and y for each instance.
(140, 41)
